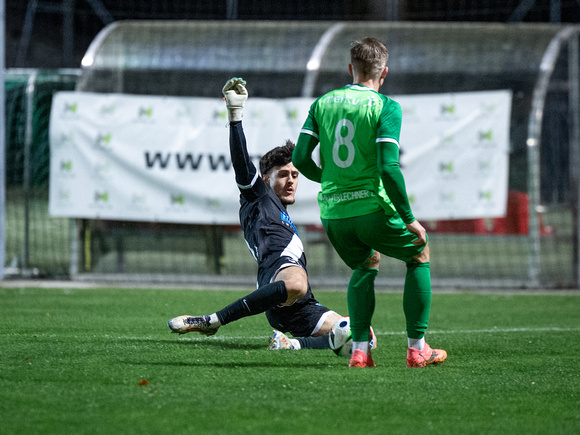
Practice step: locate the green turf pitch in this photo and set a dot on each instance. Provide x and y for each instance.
(103, 361)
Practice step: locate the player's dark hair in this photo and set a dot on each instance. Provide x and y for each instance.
(369, 57)
(278, 156)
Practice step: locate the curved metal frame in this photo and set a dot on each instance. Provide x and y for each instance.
(89, 57)
(313, 65)
(534, 142)
(91, 54)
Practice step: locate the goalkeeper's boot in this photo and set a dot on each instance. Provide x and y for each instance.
(279, 340)
(359, 359)
(425, 357)
(185, 324)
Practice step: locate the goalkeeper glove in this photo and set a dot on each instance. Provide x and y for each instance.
(235, 94)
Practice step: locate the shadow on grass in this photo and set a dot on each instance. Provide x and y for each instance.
(235, 365)
(211, 343)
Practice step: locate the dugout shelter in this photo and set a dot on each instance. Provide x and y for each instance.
(538, 63)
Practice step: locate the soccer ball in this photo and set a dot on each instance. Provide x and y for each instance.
(340, 338)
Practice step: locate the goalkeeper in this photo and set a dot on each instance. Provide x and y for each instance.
(363, 200)
(283, 292)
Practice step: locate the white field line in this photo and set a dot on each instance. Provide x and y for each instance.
(197, 337)
(488, 331)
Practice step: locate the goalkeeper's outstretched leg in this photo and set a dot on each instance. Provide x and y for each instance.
(284, 292)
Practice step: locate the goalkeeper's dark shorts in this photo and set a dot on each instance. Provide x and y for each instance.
(304, 317)
(301, 319)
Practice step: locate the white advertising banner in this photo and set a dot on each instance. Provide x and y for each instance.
(455, 154)
(166, 159)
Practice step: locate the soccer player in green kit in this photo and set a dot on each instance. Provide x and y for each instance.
(363, 200)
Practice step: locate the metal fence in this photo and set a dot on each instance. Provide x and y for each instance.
(36, 245)
(57, 33)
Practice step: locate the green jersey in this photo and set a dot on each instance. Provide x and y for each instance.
(349, 123)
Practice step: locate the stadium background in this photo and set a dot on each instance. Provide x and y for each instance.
(46, 41)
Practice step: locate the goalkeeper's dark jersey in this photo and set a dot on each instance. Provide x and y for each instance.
(268, 230)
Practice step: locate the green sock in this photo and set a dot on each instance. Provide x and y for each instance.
(361, 302)
(417, 298)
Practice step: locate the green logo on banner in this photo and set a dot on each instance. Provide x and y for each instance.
(488, 108)
(64, 195)
(177, 199)
(66, 166)
(66, 139)
(146, 112)
(139, 199)
(486, 194)
(102, 196)
(220, 114)
(486, 135)
(108, 110)
(446, 167)
(409, 111)
(448, 109)
(104, 140)
(70, 108)
(447, 197)
(485, 165)
(183, 112)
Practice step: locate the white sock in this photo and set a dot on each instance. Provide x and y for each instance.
(361, 345)
(416, 343)
(214, 321)
(295, 344)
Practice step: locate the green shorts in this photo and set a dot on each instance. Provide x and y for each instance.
(356, 238)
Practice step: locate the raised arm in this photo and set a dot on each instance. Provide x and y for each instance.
(247, 175)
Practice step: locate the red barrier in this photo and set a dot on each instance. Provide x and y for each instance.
(516, 221)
